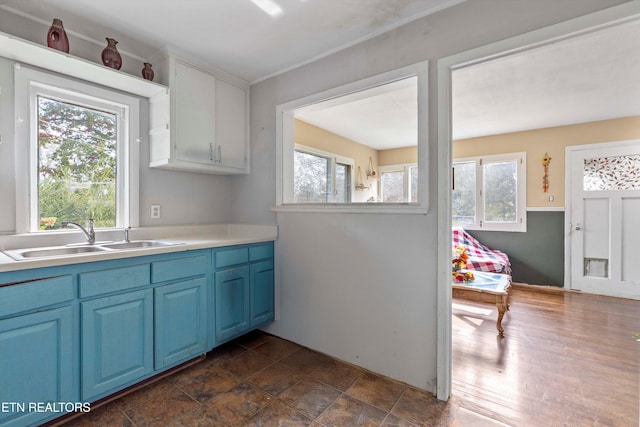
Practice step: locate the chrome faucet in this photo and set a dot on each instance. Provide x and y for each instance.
(89, 234)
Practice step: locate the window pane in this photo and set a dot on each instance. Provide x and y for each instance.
(500, 188)
(612, 173)
(413, 184)
(76, 164)
(311, 178)
(343, 183)
(463, 196)
(392, 186)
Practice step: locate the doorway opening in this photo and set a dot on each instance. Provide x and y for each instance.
(540, 203)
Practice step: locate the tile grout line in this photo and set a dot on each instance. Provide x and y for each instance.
(390, 413)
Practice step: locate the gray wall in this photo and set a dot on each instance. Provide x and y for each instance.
(363, 287)
(537, 256)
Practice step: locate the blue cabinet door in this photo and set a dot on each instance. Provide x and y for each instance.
(232, 303)
(36, 364)
(117, 341)
(181, 321)
(261, 293)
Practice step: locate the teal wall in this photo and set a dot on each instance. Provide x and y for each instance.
(537, 256)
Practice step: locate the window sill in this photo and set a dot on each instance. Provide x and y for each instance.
(520, 229)
(354, 208)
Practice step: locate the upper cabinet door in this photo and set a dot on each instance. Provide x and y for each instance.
(195, 105)
(231, 125)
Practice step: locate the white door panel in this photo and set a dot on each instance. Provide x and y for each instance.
(630, 236)
(596, 228)
(605, 219)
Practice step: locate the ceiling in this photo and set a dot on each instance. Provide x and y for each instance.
(237, 36)
(582, 79)
(592, 77)
(382, 117)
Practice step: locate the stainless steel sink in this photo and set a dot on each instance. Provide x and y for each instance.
(137, 244)
(71, 251)
(21, 254)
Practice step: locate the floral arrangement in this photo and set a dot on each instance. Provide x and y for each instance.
(459, 258)
(459, 262)
(463, 276)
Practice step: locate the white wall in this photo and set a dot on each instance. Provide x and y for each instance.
(363, 287)
(185, 198)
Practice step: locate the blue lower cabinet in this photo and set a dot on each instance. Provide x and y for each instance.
(36, 365)
(117, 341)
(180, 321)
(81, 332)
(262, 305)
(232, 303)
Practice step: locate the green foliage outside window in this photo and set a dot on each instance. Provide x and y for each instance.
(311, 178)
(500, 191)
(463, 196)
(76, 164)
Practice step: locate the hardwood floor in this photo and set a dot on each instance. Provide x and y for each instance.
(567, 359)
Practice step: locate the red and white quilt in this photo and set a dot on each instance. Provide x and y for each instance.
(481, 257)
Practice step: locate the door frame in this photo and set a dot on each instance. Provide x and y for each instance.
(445, 66)
(568, 195)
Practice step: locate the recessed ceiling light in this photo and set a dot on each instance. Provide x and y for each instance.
(269, 7)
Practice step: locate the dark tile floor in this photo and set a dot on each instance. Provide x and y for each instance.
(262, 380)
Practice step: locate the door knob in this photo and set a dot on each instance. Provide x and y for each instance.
(578, 228)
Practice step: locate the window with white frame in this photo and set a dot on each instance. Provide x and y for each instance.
(399, 183)
(81, 161)
(321, 177)
(489, 192)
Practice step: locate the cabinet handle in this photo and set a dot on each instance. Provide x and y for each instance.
(219, 154)
(211, 152)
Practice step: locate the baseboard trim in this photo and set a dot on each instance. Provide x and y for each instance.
(538, 288)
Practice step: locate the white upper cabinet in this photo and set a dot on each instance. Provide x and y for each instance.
(207, 129)
(231, 125)
(195, 115)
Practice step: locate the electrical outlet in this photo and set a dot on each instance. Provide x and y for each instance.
(155, 211)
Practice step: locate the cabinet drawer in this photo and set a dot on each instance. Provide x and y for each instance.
(35, 294)
(261, 252)
(113, 280)
(225, 258)
(162, 271)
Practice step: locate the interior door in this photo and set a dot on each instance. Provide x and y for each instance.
(605, 225)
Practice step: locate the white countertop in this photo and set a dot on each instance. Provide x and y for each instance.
(189, 238)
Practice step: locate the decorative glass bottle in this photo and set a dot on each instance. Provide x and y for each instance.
(57, 37)
(110, 55)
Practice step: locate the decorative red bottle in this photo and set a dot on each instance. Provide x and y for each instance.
(57, 37)
(110, 55)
